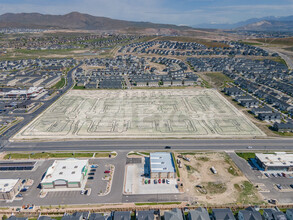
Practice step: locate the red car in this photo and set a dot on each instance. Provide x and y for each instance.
(107, 171)
(160, 180)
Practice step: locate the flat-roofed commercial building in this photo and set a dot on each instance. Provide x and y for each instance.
(70, 173)
(9, 188)
(162, 165)
(278, 161)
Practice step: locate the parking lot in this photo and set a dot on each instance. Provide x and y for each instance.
(137, 181)
(267, 185)
(96, 184)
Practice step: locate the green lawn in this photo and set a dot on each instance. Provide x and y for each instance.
(246, 156)
(45, 155)
(176, 165)
(104, 154)
(78, 87)
(59, 84)
(285, 134)
(251, 43)
(232, 171)
(219, 79)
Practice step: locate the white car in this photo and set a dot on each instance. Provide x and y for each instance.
(249, 147)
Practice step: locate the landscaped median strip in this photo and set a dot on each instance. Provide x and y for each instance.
(45, 155)
(158, 203)
(176, 165)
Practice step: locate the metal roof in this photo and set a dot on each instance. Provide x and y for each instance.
(161, 162)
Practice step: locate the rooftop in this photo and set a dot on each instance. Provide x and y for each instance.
(276, 159)
(161, 162)
(6, 185)
(70, 170)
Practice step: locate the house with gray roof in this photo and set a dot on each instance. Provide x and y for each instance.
(198, 214)
(121, 215)
(289, 214)
(222, 214)
(249, 214)
(145, 215)
(97, 216)
(174, 214)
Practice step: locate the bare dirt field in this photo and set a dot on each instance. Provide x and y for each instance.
(176, 113)
(227, 186)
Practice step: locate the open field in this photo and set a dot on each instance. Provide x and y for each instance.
(188, 113)
(217, 79)
(280, 41)
(227, 186)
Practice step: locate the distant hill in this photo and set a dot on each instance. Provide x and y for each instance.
(270, 23)
(74, 20)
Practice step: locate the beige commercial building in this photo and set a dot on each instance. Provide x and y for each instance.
(9, 188)
(279, 161)
(70, 173)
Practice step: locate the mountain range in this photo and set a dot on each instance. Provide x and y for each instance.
(73, 20)
(80, 21)
(270, 23)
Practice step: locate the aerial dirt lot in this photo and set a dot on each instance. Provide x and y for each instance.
(155, 113)
(227, 186)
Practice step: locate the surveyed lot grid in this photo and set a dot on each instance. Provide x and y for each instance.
(140, 114)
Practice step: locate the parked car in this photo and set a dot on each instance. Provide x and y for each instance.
(94, 166)
(163, 181)
(93, 170)
(160, 180)
(155, 181)
(90, 178)
(19, 195)
(279, 186)
(167, 181)
(91, 174)
(82, 192)
(267, 175)
(107, 171)
(167, 147)
(149, 181)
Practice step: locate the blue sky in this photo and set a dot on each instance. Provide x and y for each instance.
(180, 12)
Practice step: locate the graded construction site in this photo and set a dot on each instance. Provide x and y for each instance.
(185, 113)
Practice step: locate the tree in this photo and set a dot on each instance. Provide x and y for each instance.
(4, 217)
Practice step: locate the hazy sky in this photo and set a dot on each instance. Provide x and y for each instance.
(187, 12)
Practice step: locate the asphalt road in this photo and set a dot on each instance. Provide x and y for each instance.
(154, 144)
(282, 55)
